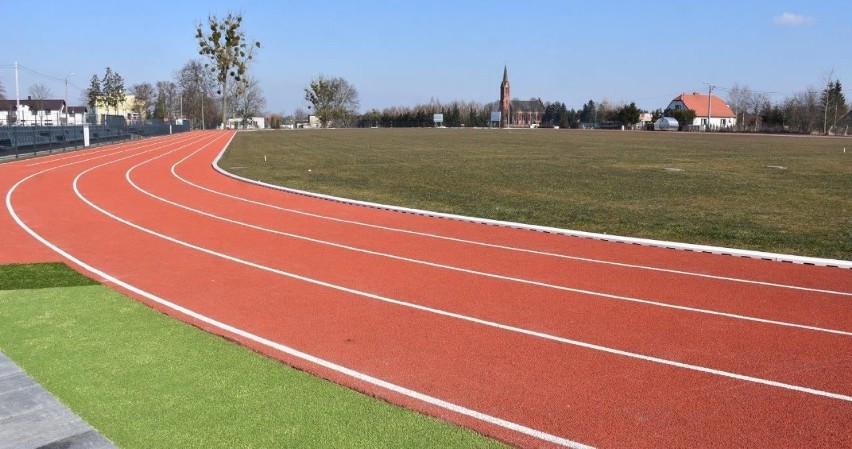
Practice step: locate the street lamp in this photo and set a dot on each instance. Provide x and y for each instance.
(66, 96)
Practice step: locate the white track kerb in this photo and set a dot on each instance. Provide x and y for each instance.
(551, 230)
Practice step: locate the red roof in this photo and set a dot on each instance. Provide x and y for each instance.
(698, 103)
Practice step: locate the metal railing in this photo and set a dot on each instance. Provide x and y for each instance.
(16, 141)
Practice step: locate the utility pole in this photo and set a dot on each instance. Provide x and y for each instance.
(66, 97)
(201, 90)
(17, 97)
(709, 103)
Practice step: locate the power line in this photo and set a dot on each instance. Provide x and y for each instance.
(41, 74)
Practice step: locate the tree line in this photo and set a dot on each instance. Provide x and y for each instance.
(802, 112)
(205, 91)
(806, 111)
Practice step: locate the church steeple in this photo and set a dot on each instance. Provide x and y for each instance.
(505, 97)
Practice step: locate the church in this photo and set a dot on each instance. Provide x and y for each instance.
(518, 113)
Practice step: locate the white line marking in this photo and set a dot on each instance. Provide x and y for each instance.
(551, 230)
(128, 176)
(440, 312)
(286, 349)
(488, 245)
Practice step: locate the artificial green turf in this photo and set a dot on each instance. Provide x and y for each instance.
(40, 275)
(600, 181)
(149, 381)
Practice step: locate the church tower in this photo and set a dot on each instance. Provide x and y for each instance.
(504, 99)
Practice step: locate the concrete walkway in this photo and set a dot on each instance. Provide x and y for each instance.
(31, 418)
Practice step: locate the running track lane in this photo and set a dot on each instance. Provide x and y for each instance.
(528, 361)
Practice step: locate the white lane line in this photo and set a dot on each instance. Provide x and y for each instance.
(509, 425)
(114, 151)
(495, 246)
(84, 152)
(128, 176)
(777, 257)
(458, 316)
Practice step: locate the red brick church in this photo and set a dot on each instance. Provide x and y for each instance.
(518, 113)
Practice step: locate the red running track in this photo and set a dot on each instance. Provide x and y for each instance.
(535, 339)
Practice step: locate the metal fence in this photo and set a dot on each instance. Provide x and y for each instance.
(23, 140)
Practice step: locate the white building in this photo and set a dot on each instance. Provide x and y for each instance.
(247, 123)
(705, 106)
(313, 122)
(40, 113)
(32, 112)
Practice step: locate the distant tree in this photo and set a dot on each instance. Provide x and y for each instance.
(144, 94)
(40, 92)
(112, 89)
(248, 98)
(683, 116)
(452, 116)
(275, 121)
(196, 84)
(300, 115)
(804, 110)
(656, 114)
(164, 107)
(569, 118)
(228, 50)
(605, 111)
(589, 113)
(333, 99)
(94, 92)
(773, 117)
(628, 115)
(834, 104)
(740, 99)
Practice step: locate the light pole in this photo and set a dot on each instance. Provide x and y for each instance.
(201, 90)
(66, 96)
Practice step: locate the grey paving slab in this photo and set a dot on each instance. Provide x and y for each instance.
(31, 418)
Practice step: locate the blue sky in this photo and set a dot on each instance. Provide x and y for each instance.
(402, 53)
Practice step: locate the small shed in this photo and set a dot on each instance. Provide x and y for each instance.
(666, 124)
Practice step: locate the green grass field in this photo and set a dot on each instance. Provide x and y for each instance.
(145, 380)
(727, 193)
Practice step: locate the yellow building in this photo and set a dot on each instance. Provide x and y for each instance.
(127, 109)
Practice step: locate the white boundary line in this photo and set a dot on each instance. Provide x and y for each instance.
(129, 178)
(551, 230)
(440, 312)
(277, 346)
(487, 245)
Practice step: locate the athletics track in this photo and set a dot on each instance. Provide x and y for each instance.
(533, 338)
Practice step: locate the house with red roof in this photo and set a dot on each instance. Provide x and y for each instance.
(708, 108)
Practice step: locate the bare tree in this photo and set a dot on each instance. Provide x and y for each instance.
(40, 92)
(144, 94)
(195, 84)
(248, 98)
(740, 99)
(333, 99)
(167, 97)
(804, 110)
(300, 115)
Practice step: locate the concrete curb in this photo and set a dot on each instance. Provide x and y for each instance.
(551, 230)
